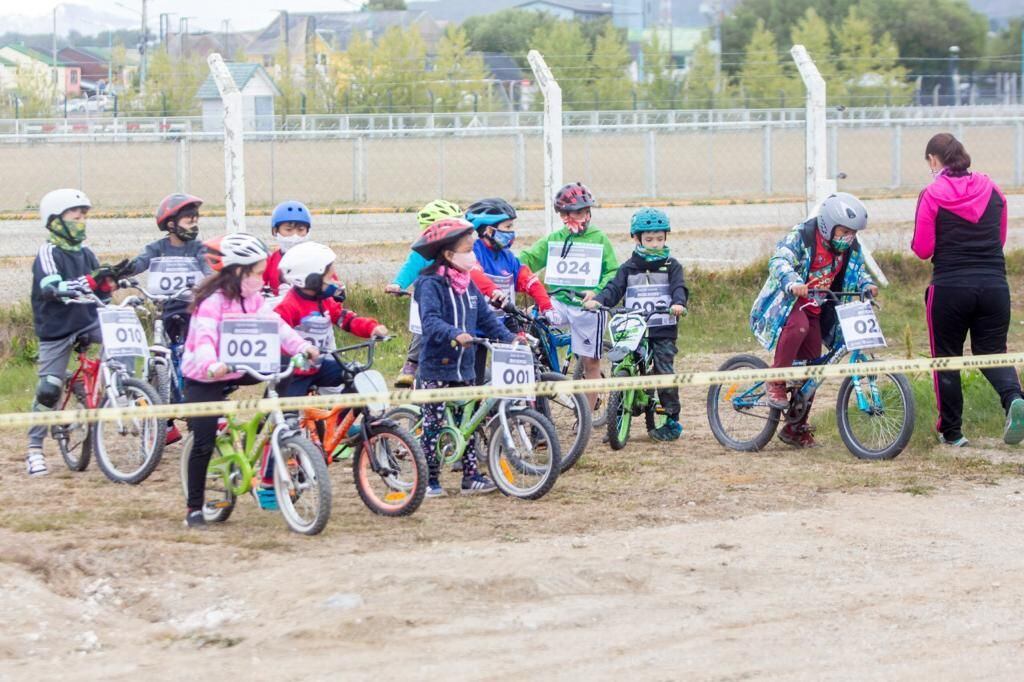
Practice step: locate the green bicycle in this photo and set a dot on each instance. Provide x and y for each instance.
(523, 451)
(631, 355)
(301, 482)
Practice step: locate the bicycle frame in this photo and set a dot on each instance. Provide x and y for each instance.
(88, 372)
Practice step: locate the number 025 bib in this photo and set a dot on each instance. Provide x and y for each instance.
(170, 274)
(580, 268)
(250, 340)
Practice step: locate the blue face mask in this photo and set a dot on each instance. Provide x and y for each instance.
(335, 291)
(503, 239)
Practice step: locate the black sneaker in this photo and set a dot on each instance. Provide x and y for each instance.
(195, 520)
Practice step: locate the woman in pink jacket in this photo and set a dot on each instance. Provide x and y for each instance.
(961, 226)
(238, 261)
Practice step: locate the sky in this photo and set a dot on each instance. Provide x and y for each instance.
(244, 14)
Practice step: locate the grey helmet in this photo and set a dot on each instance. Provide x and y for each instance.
(841, 210)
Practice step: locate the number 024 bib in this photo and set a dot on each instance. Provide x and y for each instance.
(581, 267)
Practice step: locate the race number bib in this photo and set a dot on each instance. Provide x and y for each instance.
(414, 317)
(648, 297)
(318, 330)
(170, 274)
(506, 285)
(122, 334)
(252, 341)
(860, 326)
(580, 268)
(512, 365)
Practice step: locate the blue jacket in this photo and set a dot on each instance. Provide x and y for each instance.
(444, 315)
(410, 269)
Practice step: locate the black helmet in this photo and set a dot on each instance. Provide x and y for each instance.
(487, 212)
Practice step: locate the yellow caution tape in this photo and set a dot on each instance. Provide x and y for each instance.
(463, 393)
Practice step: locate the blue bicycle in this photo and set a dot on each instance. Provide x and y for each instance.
(164, 369)
(874, 412)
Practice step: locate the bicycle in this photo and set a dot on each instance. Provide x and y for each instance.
(569, 412)
(301, 483)
(127, 450)
(523, 452)
(571, 364)
(163, 372)
(388, 464)
(882, 405)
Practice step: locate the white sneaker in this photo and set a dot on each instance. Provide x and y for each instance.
(36, 463)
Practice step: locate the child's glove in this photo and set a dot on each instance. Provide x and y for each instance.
(554, 317)
(74, 287)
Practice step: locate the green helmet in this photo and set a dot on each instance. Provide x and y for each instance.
(648, 220)
(438, 209)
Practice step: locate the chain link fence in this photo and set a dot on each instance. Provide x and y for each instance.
(623, 157)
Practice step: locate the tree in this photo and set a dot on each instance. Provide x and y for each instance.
(1003, 50)
(699, 87)
(507, 32)
(812, 32)
(763, 79)
(290, 101)
(567, 53)
(383, 5)
(612, 86)
(660, 87)
(35, 92)
(402, 58)
(361, 93)
(171, 85)
(459, 75)
(868, 69)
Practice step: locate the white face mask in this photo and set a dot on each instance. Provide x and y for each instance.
(286, 243)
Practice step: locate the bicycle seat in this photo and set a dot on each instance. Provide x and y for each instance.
(82, 343)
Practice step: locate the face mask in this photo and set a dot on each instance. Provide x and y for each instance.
(68, 236)
(186, 234)
(335, 291)
(576, 227)
(251, 285)
(841, 244)
(286, 243)
(464, 261)
(651, 254)
(503, 239)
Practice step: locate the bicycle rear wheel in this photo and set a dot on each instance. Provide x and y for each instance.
(305, 501)
(875, 414)
(128, 450)
(738, 414)
(75, 439)
(572, 418)
(525, 461)
(390, 472)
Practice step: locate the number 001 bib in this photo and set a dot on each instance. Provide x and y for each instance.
(580, 268)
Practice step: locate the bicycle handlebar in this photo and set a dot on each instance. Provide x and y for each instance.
(837, 296)
(370, 346)
(275, 377)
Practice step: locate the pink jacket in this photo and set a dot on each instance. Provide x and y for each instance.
(202, 345)
(966, 196)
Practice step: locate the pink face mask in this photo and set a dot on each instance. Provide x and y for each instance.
(251, 285)
(464, 261)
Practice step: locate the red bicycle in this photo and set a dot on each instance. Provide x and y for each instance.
(127, 450)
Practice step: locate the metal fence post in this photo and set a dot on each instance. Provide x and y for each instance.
(81, 165)
(766, 158)
(358, 167)
(896, 157)
(833, 156)
(651, 165)
(234, 161)
(181, 181)
(1018, 157)
(273, 164)
(552, 133)
(520, 166)
(441, 165)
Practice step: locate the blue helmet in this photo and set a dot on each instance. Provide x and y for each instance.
(290, 212)
(648, 220)
(487, 212)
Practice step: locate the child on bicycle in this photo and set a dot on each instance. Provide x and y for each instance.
(181, 255)
(451, 308)
(313, 307)
(238, 261)
(821, 253)
(436, 210)
(494, 220)
(290, 224)
(580, 258)
(661, 277)
(64, 268)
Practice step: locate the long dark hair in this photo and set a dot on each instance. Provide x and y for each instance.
(950, 152)
(228, 280)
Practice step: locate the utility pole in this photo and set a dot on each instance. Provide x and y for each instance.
(53, 57)
(143, 48)
(226, 24)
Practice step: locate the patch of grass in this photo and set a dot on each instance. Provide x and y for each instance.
(917, 489)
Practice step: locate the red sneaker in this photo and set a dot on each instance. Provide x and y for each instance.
(799, 436)
(776, 397)
(173, 435)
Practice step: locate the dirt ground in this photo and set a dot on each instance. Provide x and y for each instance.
(657, 562)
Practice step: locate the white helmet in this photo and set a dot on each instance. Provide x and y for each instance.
(60, 200)
(304, 265)
(237, 248)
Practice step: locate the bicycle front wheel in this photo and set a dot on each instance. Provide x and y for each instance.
(305, 499)
(570, 413)
(738, 413)
(525, 460)
(390, 472)
(128, 450)
(875, 414)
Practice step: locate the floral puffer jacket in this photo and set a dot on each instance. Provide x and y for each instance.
(791, 264)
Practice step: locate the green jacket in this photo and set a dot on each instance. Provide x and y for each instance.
(536, 258)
